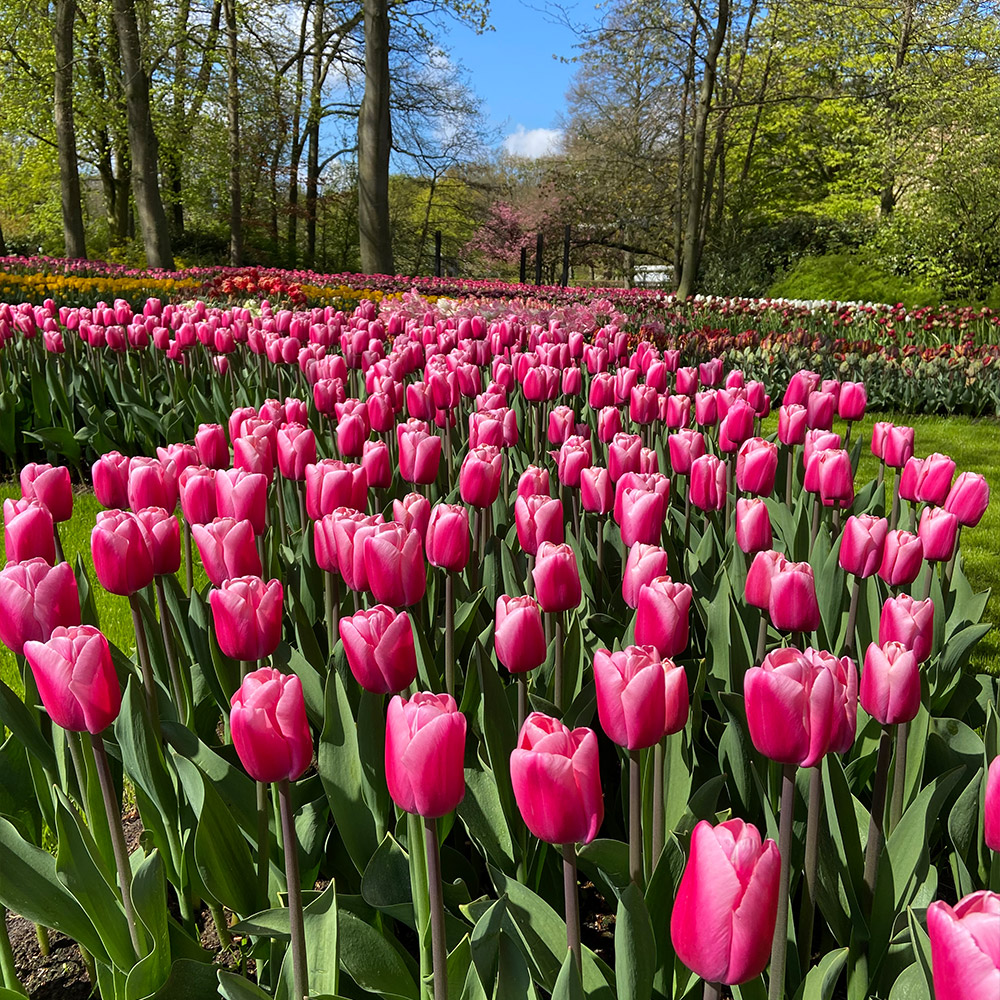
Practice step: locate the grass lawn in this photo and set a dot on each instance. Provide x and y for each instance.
(974, 444)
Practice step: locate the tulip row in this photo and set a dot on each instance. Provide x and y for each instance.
(305, 629)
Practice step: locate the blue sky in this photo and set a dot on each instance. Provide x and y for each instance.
(514, 70)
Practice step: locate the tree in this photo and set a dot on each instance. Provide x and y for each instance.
(69, 176)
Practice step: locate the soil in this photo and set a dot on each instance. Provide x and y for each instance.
(61, 974)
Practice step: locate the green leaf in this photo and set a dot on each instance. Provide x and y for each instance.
(910, 984)
(142, 756)
(319, 920)
(635, 947)
(17, 717)
(484, 818)
(149, 899)
(234, 987)
(821, 980)
(372, 961)
(568, 985)
(188, 980)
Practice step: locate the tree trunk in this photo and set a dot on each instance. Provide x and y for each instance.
(233, 103)
(696, 190)
(425, 228)
(3, 245)
(887, 199)
(312, 155)
(297, 142)
(142, 141)
(69, 174)
(681, 157)
(374, 143)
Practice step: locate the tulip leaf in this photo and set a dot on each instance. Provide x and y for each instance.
(482, 813)
(385, 884)
(496, 722)
(18, 718)
(78, 870)
(142, 755)
(751, 990)
(568, 985)
(339, 763)
(635, 947)
(485, 941)
(17, 793)
(465, 616)
(188, 980)
(30, 886)
(221, 853)
(910, 984)
(149, 897)
(319, 920)
(821, 980)
(921, 948)
(372, 960)
(233, 987)
(608, 859)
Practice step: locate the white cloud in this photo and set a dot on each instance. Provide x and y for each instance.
(533, 143)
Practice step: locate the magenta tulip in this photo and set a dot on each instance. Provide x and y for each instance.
(556, 577)
(643, 512)
(331, 483)
(597, 491)
(243, 496)
(902, 557)
(556, 776)
(28, 531)
(163, 539)
(212, 446)
(991, 806)
(853, 401)
(965, 947)
(519, 635)
(227, 548)
(110, 476)
(575, 455)
(723, 920)
(538, 519)
(296, 451)
(533, 480)
(862, 544)
(792, 424)
(623, 455)
(910, 622)
(890, 683)
(446, 542)
(199, 503)
(708, 483)
(419, 454)
(51, 487)
(685, 446)
(247, 616)
(479, 476)
(968, 498)
(898, 446)
(36, 598)
(76, 678)
(425, 753)
(269, 726)
(644, 564)
(122, 559)
(753, 525)
(792, 603)
(756, 465)
(662, 616)
(379, 648)
(413, 512)
(757, 590)
(938, 532)
(394, 564)
(640, 698)
(151, 484)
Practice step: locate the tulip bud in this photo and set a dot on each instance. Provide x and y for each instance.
(662, 616)
(246, 612)
(413, 512)
(910, 622)
(76, 678)
(51, 487)
(640, 698)
(533, 480)
(753, 525)
(36, 598)
(379, 648)
(938, 532)
(519, 635)
(447, 539)
(211, 445)
(556, 577)
(575, 455)
(756, 465)
(479, 476)
(122, 560)
(862, 544)
(556, 776)
(757, 590)
(227, 548)
(28, 531)
(243, 496)
(991, 806)
(424, 753)
(708, 483)
(110, 476)
(965, 947)
(538, 519)
(723, 920)
(596, 490)
(199, 503)
(394, 564)
(853, 401)
(902, 558)
(163, 538)
(968, 498)
(644, 564)
(792, 604)
(269, 725)
(890, 683)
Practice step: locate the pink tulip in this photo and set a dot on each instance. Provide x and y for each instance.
(880, 431)
(820, 409)
(533, 480)
(379, 648)
(753, 525)
(575, 455)
(686, 381)
(862, 544)
(642, 408)
(623, 455)
(447, 539)
(965, 947)
(902, 558)
(662, 616)
(413, 512)
(685, 446)
(644, 564)
(938, 531)
(246, 612)
(269, 726)
(28, 531)
(706, 408)
(678, 412)
(792, 424)
(800, 385)
(227, 548)
(243, 496)
(212, 446)
(424, 753)
(602, 391)
(756, 465)
(122, 559)
(596, 490)
(562, 424)
(556, 776)
(519, 635)
(394, 564)
(296, 451)
(375, 465)
(708, 483)
(609, 423)
(817, 440)
(802, 705)
(910, 622)
(737, 425)
(968, 498)
(640, 698)
(151, 484)
(643, 512)
(350, 528)
(163, 539)
(723, 920)
(479, 476)
(36, 598)
(898, 446)
(556, 577)
(110, 477)
(853, 401)
(890, 683)
(538, 519)
(991, 806)
(51, 487)
(757, 590)
(419, 454)
(710, 372)
(199, 503)
(331, 483)
(76, 678)
(836, 477)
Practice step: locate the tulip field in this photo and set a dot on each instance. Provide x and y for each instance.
(377, 638)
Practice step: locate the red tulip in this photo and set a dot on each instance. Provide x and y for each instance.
(723, 920)
(36, 598)
(269, 726)
(76, 679)
(556, 776)
(379, 648)
(247, 616)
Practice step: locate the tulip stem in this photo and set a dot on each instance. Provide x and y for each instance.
(439, 943)
(522, 700)
(634, 818)
(449, 633)
(114, 815)
(188, 559)
(300, 968)
(687, 518)
(263, 843)
(59, 549)
(927, 582)
(303, 519)
(779, 948)
(894, 518)
(167, 631)
(659, 815)
(332, 601)
(761, 640)
(7, 967)
(142, 649)
(815, 524)
(876, 832)
(899, 778)
(73, 740)
(790, 476)
(713, 991)
(850, 642)
(559, 661)
(807, 914)
(572, 904)
(416, 848)
(600, 545)
(282, 523)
